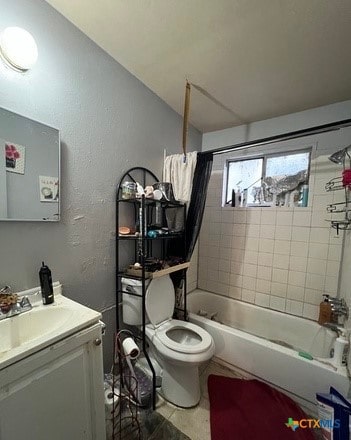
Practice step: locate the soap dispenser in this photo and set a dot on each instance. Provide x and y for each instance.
(340, 348)
(325, 311)
(47, 291)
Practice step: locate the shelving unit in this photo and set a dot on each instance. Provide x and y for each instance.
(343, 207)
(140, 214)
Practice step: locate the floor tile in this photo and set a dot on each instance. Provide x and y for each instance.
(203, 366)
(169, 422)
(194, 422)
(164, 408)
(153, 426)
(150, 421)
(167, 431)
(132, 428)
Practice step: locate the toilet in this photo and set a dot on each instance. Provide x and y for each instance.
(179, 347)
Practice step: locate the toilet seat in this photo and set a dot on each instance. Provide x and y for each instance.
(179, 336)
(194, 339)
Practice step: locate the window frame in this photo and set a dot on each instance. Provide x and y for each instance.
(264, 165)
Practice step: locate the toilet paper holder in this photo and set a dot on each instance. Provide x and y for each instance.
(134, 378)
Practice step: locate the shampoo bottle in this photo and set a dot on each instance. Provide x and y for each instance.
(339, 349)
(304, 195)
(244, 198)
(47, 291)
(233, 198)
(238, 197)
(325, 311)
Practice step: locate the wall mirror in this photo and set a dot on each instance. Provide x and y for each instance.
(29, 169)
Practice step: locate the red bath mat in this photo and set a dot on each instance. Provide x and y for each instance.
(251, 410)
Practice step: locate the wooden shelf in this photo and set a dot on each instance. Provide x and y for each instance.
(162, 272)
(158, 273)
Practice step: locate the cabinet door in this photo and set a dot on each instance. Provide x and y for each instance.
(57, 393)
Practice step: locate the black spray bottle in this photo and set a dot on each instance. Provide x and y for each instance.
(47, 291)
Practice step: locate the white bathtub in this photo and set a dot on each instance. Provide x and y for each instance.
(255, 339)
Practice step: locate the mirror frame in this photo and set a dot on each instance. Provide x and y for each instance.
(55, 220)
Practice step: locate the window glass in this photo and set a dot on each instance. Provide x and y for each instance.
(244, 174)
(274, 180)
(287, 165)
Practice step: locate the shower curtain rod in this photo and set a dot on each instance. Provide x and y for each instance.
(333, 126)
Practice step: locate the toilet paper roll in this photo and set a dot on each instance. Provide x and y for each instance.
(110, 400)
(130, 348)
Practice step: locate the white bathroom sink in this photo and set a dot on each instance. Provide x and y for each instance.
(24, 334)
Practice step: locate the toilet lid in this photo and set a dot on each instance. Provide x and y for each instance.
(160, 300)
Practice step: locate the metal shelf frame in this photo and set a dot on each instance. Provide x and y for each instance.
(344, 207)
(143, 247)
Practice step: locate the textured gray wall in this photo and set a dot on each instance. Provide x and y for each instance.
(109, 122)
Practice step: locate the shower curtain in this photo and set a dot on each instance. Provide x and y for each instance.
(190, 185)
(197, 203)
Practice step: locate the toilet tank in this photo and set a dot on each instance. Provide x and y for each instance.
(131, 304)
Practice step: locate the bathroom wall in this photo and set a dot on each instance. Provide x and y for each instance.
(109, 121)
(281, 258)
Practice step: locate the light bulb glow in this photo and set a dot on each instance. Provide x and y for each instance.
(18, 48)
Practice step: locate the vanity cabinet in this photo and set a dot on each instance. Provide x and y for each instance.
(56, 393)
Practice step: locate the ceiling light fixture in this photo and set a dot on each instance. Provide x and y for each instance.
(18, 48)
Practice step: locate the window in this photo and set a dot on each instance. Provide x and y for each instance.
(274, 180)
(287, 165)
(244, 174)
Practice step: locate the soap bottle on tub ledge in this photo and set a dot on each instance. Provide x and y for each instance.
(325, 311)
(340, 348)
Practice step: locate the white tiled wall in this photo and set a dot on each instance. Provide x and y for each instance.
(281, 258)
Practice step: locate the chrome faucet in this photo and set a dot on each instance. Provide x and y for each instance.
(15, 304)
(340, 310)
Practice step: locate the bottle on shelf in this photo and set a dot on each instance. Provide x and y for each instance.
(244, 195)
(238, 197)
(303, 202)
(233, 198)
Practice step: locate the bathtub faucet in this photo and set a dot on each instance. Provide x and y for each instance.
(334, 327)
(340, 311)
